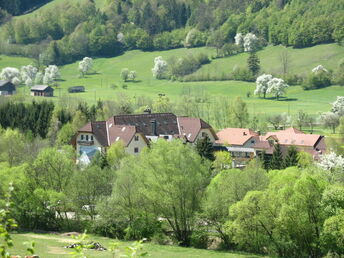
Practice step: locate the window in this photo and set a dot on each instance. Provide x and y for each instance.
(136, 138)
(166, 137)
(86, 137)
(136, 150)
(82, 137)
(204, 134)
(91, 137)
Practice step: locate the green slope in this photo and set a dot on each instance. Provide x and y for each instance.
(301, 61)
(98, 85)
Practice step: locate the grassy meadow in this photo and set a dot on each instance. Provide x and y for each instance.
(52, 246)
(106, 74)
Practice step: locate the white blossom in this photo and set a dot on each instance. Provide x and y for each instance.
(338, 106)
(251, 42)
(28, 74)
(160, 67)
(132, 75)
(319, 68)
(277, 87)
(51, 74)
(11, 74)
(262, 83)
(85, 65)
(239, 39)
(120, 37)
(331, 161)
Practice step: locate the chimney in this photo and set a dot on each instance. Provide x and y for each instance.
(154, 129)
(147, 111)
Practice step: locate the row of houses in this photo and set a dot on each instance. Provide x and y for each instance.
(7, 88)
(139, 130)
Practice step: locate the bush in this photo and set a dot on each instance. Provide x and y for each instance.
(317, 81)
(293, 79)
(180, 67)
(161, 239)
(142, 228)
(242, 74)
(199, 239)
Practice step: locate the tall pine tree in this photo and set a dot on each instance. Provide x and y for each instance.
(291, 158)
(253, 63)
(277, 158)
(205, 148)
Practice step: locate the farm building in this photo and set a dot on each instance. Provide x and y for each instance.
(7, 88)
(42, 90)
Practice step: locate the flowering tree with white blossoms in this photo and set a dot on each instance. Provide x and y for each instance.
(319, 69)
(331, 162)
(85, 65)
(262, 83)
(277, 87)
(251, 42)
(28, 74)
(239, 39)
(160, 67)
(338, 106)
(11, 74)
(51, 74)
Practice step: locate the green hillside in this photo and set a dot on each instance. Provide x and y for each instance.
(301, 61)
(107, 73)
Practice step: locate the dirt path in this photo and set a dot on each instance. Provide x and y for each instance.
(59, 239)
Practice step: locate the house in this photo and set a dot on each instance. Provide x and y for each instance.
(7, 88)
(239, 142)
(244, 144)
(42, 90)
(138, 131)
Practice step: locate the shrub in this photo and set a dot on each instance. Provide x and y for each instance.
(242, 74)
(293, 79)
(142, 228)
(199, 239)
(317, 81)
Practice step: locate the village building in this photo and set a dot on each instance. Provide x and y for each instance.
(42, 90)
(245, 144)
(138, 131)
(7, 88)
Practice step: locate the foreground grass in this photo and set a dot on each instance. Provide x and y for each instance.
(105, 82)
(49, 246)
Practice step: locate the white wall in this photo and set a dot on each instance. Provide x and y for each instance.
(140, 144)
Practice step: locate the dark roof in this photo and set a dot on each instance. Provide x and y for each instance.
(7, 85)
(166, 123)
(41, 88)
(98, 129)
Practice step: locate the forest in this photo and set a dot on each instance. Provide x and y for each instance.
(73, 30)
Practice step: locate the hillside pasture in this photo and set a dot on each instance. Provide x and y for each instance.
(104, 82)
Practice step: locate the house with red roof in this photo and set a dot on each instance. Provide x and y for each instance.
(245, 144)
(137, 131)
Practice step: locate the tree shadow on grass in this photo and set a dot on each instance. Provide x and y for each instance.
(281, 99)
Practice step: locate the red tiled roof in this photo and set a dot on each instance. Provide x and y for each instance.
(235, 136)
(292, 136)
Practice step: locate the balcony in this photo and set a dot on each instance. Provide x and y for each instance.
(85, 143)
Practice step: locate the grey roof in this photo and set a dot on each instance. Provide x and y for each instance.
(240, 149)
(39, 87)
(3, 82)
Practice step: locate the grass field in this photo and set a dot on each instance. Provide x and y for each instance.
(51, 246)
(107, 73)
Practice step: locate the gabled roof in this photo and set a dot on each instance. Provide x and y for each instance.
(3, 82)
(166, 123)
(40, 87)
(292, 136)
(98, 129)
(122, 133)
(235, 136)
(190, 127)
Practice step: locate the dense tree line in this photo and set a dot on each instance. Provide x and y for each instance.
(17, 7)
(74, 30)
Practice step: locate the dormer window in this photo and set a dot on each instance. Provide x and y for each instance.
(91, 137)
(86, 137)
(136, 138)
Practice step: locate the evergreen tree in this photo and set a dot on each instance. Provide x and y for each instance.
(205, 148)
(253, 63)
(265, 159)
(291, 158)
(277, 158)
